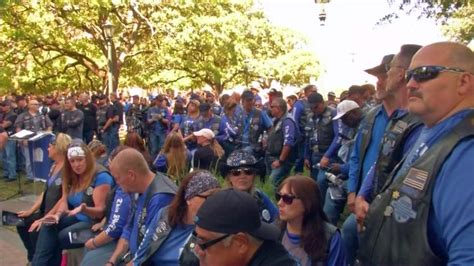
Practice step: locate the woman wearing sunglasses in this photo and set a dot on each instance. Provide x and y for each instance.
(85, 188)
(47, 200)
(240, 172)
(167, 239)
(307, 235)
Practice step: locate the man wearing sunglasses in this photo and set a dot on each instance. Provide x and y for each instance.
(386, 133)
(425, 215)
(229, 232)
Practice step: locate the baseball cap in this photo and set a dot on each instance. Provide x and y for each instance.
(205, 132)
(331, 93)
(247, 95)
(314, 99)
(382, 68)
(232, 211)
(344, 107)
(204, 107)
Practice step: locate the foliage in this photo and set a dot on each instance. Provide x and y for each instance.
(61, 45)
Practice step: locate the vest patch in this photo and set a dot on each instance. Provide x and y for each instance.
(266, 215)
(403, 209)
(416, 179)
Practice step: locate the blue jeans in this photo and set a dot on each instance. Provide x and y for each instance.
(277, 175)
(110, 138)
(323, 185)
(350, 238)
(333, 208)
(100, 255)
(156, 142)
(28, 166)
(88, 136)
(53, 238)
(9, 156)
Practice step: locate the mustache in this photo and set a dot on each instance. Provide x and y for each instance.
(414, 93)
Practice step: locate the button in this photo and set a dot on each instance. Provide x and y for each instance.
(388, 211)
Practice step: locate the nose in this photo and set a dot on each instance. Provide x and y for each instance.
(412, 84)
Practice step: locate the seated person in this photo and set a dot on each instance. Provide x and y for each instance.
(174, 158)
(208, 152)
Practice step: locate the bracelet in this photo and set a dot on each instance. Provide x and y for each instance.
(111, 263)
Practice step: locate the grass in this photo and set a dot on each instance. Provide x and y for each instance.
(11, 189)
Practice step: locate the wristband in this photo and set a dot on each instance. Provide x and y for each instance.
(93, 243)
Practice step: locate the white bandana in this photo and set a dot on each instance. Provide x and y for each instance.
(75, 152)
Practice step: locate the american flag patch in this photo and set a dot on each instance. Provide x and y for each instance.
(416, 179)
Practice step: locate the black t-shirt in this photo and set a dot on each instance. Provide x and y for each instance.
(204, 158)
(272, 253)
(111, 112)
(90, 121)
(10, 116)
(118, 105)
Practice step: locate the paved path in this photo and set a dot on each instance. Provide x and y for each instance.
(12, 252)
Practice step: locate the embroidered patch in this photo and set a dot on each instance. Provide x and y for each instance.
(396, 195)
(89, 191)
(58, 181)
(400, 126)
(266, 215)
(416, 179)
(403, 209)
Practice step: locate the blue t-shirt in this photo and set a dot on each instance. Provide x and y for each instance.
(119, 214)
(156, 126)
(75, 199)
(156, 202)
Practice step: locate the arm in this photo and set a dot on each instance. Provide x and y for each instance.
(336, 141)
(120, 250)
(77, 120)
(33, 208)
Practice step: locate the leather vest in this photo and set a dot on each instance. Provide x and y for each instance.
(87, 195)
(391, 151)
(319, 131)
(396, 224)
(215, 123)
(255, 130)
(101, 115)
(276, 136)
(52, 194)
(34, 123)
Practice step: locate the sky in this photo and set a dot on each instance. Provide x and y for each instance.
(350, 41)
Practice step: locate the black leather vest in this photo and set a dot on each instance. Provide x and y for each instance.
(276, 136)
(52, 194)
(396, 224)
(319, 131)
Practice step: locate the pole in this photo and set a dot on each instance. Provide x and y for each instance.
(110, 77)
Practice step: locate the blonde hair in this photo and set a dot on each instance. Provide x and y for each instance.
(62, 142)
(73, 182)
(217, 148)
(175, 152)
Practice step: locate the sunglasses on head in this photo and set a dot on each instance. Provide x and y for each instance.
(425, 73)
(205, 245)
(286, 198)
(246, 171)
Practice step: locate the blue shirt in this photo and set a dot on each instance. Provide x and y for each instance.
(297, 112)
(290, 132)
(228, 129)
(119, 214)
(265, 123)
(156, 126)
(75, 199)
(372, 153)
(157, 202)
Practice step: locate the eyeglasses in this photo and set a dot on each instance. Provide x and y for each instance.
(425, 73)
(246, 171)
(205, 245)
(287, 198)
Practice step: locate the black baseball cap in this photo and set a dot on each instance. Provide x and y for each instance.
(247, 95)
(314, 99)
(232, 211)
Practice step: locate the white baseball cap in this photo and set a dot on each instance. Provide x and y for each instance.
(344, 107)
(205, 132)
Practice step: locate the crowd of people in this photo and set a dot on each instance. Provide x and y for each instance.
(182, 189)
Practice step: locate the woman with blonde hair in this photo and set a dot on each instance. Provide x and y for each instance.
(174, 157)
(47, 200)
(85, 188)
(209, 151)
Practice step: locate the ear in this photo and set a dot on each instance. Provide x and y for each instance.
(242, 243)
(465, 84)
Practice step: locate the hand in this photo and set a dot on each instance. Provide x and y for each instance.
(24, 142)
(78, 209)
(307, 164)
(361, 209)
(276, 164)
(351, 201)
(335, 168)
(35, 226)
(24, 214)
(97, 227)
(324, 163)
(90, 244)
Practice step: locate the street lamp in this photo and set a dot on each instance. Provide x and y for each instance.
(109, 33)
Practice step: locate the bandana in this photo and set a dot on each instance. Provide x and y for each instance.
(75, 152)
(201, 182)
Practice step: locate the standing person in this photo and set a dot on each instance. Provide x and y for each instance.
(331, 102)
(46, 201)
(229, 232)
(207, 119)
(34, 121)
(151, 192)
(158, 119)
(90, 122)
(108, 124)
(85, 188)
(169, 246)
(281, 153)
(426, 207)
(134, 116)
(189, 121)
(240, 172)
(216, 109)
(9, 151)
(72, 119)
(116, 102)
(308, 236)
(228, 129)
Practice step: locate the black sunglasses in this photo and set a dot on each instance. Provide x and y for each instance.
(287, 198)
(425, 73)
(246, 171)
(205, 245)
